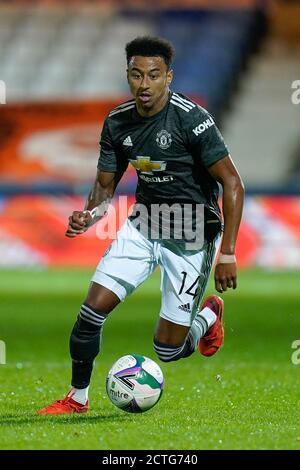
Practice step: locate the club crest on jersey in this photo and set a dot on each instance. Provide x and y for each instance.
(145, 165)
(163, 139)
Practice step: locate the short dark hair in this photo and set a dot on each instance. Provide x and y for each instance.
(149, 46)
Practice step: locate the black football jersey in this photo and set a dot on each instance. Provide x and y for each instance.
(171, 152)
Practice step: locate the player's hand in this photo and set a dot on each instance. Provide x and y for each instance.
(79, 222)
(225, 276)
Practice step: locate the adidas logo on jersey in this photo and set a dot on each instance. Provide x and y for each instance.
(185, 307)
(127, 141)
(203, 126)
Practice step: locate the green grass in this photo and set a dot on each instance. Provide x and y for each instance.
(245, 397)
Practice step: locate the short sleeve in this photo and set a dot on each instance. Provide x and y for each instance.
(109, 160)
(206, 140)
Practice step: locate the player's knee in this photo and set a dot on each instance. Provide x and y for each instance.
(101, 299)
(167, 352)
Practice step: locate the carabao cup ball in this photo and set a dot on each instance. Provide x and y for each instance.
(135, 383)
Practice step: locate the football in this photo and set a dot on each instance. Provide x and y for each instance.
(135, 383)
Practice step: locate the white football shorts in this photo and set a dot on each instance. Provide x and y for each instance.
(131, 258)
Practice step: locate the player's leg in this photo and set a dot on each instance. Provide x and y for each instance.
(169, 340)
(125, 265)
(85, 344)
(181, 324)
(85, 339)
(173, 341)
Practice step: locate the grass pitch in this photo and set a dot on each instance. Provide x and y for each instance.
(245, 397)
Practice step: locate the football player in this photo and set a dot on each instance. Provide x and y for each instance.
(180, 157)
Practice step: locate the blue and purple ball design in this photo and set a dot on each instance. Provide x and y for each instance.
(135, 383)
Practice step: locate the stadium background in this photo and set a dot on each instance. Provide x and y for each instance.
(63, 66)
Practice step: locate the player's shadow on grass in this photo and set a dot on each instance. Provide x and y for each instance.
(10, 419)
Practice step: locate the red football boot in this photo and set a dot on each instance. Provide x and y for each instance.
(211, 342)
(65, 406)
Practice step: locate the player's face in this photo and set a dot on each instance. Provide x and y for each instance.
(149, 80)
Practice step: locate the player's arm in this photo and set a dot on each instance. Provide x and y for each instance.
(96, 205)
(226, 174)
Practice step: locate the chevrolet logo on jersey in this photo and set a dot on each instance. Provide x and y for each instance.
(145, 165)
